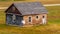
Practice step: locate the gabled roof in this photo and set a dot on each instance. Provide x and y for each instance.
(27, 8)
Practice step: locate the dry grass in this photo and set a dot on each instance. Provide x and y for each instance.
(8, 3)
(47, 1)
(2, 17)
(42, 29)
(54, 14)
(3, 4)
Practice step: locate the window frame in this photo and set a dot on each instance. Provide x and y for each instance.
(37, 16)
(30, 19)
(43, 16)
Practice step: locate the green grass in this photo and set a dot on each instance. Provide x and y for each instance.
(53, 26)
(2, 16)
(54, 14)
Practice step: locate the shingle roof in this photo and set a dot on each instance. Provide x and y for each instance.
(27, 8)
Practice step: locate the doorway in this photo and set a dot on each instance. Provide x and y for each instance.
(19, 20)
(43, 20)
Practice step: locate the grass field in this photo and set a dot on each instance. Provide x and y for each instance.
(8, 3)
(53, 26)
(47, 1)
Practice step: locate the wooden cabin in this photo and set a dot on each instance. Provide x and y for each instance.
(26, 13)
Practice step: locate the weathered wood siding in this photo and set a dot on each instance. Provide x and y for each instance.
(19, 20)
(34, 19)
(13, 10)
(9, 16)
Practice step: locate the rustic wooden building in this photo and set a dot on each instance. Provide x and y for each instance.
(26, 13)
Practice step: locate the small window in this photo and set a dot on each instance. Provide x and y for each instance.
(29, 19)
(43, 16)
(37, 17)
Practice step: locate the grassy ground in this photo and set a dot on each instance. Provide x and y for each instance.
(53, 26)
(12, 0)
(54, 14)
(47, 1)
(8, 3)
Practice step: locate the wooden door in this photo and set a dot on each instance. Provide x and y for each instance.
(19, 20)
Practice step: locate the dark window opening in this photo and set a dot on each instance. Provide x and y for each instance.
(37, 17)
(29, 19)
(43, 16)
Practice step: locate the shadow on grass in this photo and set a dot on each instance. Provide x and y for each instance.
(5, 25)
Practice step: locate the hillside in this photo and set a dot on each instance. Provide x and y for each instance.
(12, 0)
(47, 1)
(4, 3)
(53, 26)
(43, 1)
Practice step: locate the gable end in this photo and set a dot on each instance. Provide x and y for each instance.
(12, 9)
